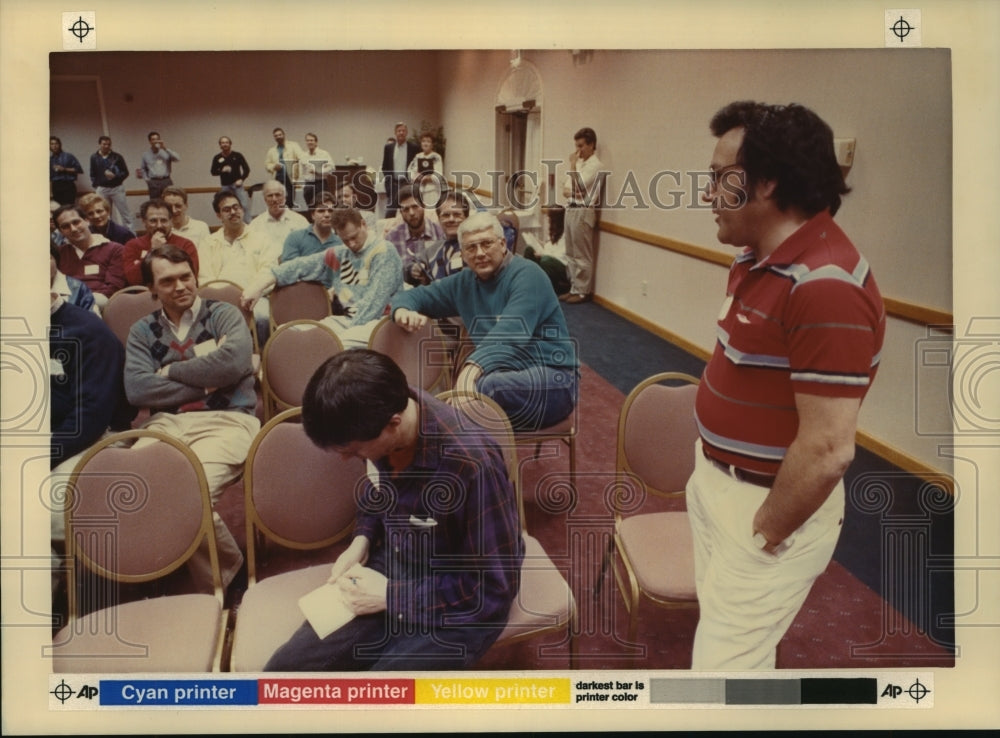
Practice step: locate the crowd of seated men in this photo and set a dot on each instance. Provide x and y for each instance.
(186, 370)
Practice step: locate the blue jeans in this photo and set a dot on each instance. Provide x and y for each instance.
(532, 398)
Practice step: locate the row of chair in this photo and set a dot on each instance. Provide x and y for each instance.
(135, 515)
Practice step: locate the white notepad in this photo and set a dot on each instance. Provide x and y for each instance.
(325, 609)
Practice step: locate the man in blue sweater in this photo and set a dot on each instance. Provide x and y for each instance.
(190, 364)
(524, 358)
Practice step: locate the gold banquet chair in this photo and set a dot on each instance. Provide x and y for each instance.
(545, 602)
(225, 290)
(300, 497)
(292, 354)
(656, 441)
(422, 355)
(125, 307)
(298, 301)
(136, 515)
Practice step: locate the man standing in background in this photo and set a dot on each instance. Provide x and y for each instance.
(314, 167)
(108, 172)
(396, 157)
(232, 169)
(283, 162)
(63, 168)
(156, 165)
(582, 190)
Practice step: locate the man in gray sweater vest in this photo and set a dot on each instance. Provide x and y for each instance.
(190, 364)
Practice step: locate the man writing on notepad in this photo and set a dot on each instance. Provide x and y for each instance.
(433, 567)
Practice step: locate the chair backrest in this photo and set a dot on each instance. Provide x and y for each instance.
(127, 306)
(137, 507)
(485, 414)
(422, 354)
(227, 291)
(298, 301)
(292, 354)
(296, 493)
(657, 432)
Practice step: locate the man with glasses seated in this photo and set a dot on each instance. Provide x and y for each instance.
(524, 358)
(236, 253)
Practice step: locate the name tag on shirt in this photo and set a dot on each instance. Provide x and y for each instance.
(429, 523)
(56, 368)
(91, 270)
(205, 347)
(456, 261)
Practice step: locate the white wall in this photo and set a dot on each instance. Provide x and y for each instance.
(351, 100)
(651, 109)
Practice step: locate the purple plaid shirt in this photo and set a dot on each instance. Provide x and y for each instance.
(445, 531)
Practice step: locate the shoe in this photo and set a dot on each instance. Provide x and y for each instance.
(576, 299)
(565, 296)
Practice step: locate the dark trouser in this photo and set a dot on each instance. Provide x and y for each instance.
(381, 642)
(282, 176)
(392, 184)
(64, 192)
(157, 186)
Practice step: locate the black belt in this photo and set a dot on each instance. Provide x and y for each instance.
(761, 480)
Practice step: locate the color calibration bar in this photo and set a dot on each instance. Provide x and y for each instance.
(580, 691)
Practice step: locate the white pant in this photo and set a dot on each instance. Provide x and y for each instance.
(350, 336)
(747, 597)
(119, 204)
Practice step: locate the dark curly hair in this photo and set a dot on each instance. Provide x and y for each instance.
(791, 146)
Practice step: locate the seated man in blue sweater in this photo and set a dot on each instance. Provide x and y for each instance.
(524, 358)
(190, 364)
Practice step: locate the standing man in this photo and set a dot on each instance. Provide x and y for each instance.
(90, 257)
(190, 363)
(108, 172)
(315, 165)
(430, 584)
(158, 227)
(182, 224)
(396, 157)
(583, 191)
(415, 232)
(283, 162)
(63, 168)
(524, 358)
(238, 253)
(799, 340)
(156, 165)
(98, 212)
(232, 169)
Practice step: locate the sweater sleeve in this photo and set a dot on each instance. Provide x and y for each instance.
(93, 381)
(143, 386)
(227, 364)
(309, 268)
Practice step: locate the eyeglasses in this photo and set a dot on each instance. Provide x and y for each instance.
(230, 208)
(485, 245)
(715, 175)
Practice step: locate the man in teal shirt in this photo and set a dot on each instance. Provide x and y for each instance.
(524, 358)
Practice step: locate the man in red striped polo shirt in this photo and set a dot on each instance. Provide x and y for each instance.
(799, 339)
